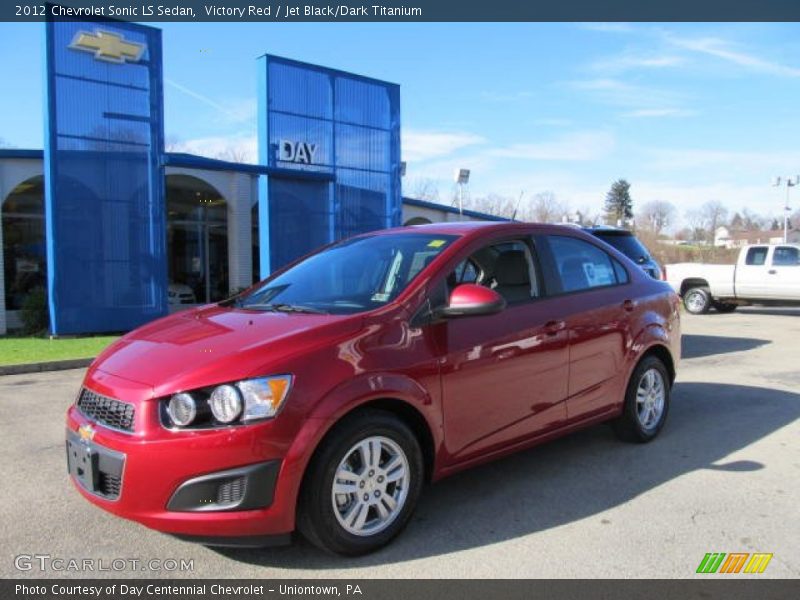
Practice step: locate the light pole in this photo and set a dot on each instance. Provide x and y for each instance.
(462, 179)
(789, 182)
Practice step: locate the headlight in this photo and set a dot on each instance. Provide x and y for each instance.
(226, 403)
(182, 409)
(264, 396)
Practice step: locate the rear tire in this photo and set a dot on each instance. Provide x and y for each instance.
(646, 402)
(697, 300)
(362, 485)
(725, 307)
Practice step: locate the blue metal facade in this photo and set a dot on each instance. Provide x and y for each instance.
(335, 137)
(104, 200)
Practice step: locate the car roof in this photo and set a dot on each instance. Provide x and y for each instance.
(607, 230)
(463, 228)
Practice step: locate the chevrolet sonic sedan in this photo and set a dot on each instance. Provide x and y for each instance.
(324, 397)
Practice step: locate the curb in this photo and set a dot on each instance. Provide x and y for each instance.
(56, 365)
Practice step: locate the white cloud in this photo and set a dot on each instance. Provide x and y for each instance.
(240, 148)
(608, 27)
(629, 61)
(236, 111)
(507, 96)
(425, 145)
(585, 145)
(770, 163)
(649, 113)
(722, 49)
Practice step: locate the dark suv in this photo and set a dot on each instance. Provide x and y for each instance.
(627, 243)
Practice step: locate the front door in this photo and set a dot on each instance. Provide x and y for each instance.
(504, 376)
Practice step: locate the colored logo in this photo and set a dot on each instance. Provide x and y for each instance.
(735, 562)
(86, 432)
(107, 46)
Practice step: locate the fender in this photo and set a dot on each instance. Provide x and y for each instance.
(340, 401)
(653, 334)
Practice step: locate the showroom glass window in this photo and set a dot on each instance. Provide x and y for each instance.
(24, 242)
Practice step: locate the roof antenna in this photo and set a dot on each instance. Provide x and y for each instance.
(519, 200)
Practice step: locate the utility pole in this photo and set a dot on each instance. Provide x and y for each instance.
(789, 182)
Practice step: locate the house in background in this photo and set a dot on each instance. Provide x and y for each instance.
(724, 237)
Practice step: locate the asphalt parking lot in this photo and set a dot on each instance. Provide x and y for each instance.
(724, 476)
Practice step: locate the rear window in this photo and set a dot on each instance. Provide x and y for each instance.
(625, 243)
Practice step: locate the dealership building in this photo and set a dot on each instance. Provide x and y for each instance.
(117, 232)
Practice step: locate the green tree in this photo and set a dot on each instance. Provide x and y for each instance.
(619, 204)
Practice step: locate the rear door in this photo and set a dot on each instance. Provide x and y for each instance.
(784, 273)
(594, 289)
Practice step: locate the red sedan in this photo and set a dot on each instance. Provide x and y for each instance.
(322, 398)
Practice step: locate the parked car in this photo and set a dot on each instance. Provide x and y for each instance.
(180, 293)
(627, 243)
(763, 274)
(322, 398)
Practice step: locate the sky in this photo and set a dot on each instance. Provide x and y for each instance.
(687, 113)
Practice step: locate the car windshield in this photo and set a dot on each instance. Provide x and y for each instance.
(353, 276)
(627, 244)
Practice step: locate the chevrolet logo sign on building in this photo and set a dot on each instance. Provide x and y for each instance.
(108, 46)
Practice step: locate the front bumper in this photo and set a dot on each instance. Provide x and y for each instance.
(230, 483)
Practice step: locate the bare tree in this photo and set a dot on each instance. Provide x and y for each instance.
(656, 216)
(424, 188)
(696, 221)
(493, 204)
(545, 208)
(235, 154)
(713, 214)
(752, 221)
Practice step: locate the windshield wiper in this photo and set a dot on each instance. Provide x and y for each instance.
(289, 308)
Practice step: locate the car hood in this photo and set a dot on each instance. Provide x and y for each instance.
(208, 345)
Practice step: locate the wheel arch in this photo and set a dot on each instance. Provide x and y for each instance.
(663, 353)
(693, 282)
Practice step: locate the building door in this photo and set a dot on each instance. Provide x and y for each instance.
(197, 242)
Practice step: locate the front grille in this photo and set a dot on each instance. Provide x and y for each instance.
(106, 411)
(231, 492)
(109, 485)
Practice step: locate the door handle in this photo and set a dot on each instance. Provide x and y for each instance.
(772, 271)
(553, 327)
(629, 305)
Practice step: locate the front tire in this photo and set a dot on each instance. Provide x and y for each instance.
(362, 485)
(646, 402)
(697, 300)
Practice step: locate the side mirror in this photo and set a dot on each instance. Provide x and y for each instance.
(469, 299)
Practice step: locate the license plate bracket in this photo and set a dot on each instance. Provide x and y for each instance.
(82, 462)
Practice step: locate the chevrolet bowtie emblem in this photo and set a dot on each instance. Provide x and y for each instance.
(108, 46)
(86, 432)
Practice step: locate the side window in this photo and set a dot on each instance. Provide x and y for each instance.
(583, 266)
(467, 272)
(756, 256)
(506, 267)
(785, 256)
(620, 272)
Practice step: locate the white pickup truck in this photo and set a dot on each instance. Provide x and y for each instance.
(764, 274)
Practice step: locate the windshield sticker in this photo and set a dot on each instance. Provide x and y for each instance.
(436, 243)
